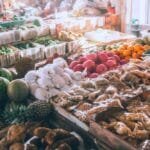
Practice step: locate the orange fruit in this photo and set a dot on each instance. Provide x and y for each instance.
(130, 48)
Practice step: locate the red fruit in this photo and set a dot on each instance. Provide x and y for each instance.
(102, 57)
(89, 65)
(78, 67)
(92, 56)
(101, 68)
(82, 59)
(93, 75)
(113, 59)
(111, 63)
(110, 54)
(73, 64)
(69, 60)
(117, 58)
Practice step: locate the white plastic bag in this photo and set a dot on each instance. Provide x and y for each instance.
(9, 37)
(29, 34)
(43, 30)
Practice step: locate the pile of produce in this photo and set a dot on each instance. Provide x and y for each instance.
(97, 63)
(6, 74)
(33, 136)
(5, 50)
(144, 41)
(114, 89)
(46, 41)
(131, 51)
(107, 90)
(11, 24)
(18, 112)
(132, 124)
(24, 45)
(68, 36)
(53, 78)
(5, 78)
(16, 105)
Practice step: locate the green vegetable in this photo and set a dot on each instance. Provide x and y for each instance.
(14, 113)
(36, 23)
(4, 50)
(23, 46)
(47, 41)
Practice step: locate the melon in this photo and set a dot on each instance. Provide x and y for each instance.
(3, 90)
(18, 90)
(5, 73)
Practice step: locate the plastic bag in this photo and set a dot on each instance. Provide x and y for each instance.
(9, 59)
(43, 30)
(9, 37)
(35, 53)
(60, 49)
(29, 34)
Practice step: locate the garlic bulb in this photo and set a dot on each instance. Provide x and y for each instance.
(58, 69)
(33, 87)
(41, 94)
(47, 71)
(60, 62)
(31, 77)
(52, 79)
(58, 81)
(45, 83)
(69, 71)
(67, 78)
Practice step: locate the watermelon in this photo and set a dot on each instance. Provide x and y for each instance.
(3, 90)
(18, 90)
(5, 73)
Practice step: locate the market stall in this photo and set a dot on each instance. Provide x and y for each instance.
(69, 80)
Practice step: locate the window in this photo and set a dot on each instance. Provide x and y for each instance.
(138, 9)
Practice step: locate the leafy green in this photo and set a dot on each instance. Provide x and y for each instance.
(14, 113)
(36, 23)
(47, 41)
(4, 50)
(23, 46)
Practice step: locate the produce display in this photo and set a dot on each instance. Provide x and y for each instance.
(35, 136)
(127, 52)
(29, 49)
(97, 63)
(6, 74)
(69, 36)
(113, 91)
(132, 124)
(3, 91)
(50, 80)
(17, 23)
(5, 78)
(67, 81)
(14, 87)
(5, 50)
(144, 41)
(11, 25)
(46, 41)
(24, 45)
